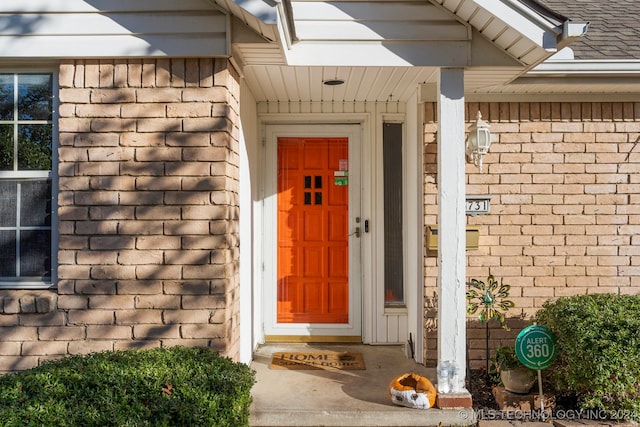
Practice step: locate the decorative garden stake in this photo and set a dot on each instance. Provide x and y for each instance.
(489, 300)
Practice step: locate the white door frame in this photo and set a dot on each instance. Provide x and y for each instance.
(269, 250)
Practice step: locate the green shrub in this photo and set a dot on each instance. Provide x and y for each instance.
(177, 386)
(598, 351)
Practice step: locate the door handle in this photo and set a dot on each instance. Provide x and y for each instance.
(357, 232)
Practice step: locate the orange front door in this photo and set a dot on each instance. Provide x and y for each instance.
(313, 249)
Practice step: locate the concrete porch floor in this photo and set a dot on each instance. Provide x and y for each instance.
(341, 398)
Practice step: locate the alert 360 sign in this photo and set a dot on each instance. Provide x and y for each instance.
(536, 347)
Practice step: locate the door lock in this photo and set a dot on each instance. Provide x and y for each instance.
(357, 232)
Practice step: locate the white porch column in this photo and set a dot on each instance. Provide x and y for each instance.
(451, 218)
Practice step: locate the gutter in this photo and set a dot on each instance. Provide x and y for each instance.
(586, 67)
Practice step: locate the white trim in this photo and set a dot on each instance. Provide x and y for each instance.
(286, 33)
(587, 67)
(75, 29)
(271, 326)
(110, 46)
(20, 285)
(29, 174)
(82, 6)
(414, 224)
(532, 15)
(263, 9)
(55, 185)
(528, 23)
(454, 53)
(631, 96)
(245, 258)
(249, 226)
(379, 316)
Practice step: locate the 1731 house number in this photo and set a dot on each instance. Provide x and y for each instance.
(477, 205)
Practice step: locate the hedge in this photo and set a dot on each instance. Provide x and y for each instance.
(598, 351)
(176, 386)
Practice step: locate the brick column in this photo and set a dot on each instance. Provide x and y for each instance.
(148, 203)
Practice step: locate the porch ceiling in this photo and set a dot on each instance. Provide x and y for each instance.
(277, 83)
(285, 84)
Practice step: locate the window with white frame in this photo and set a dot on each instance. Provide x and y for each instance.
(26, 158)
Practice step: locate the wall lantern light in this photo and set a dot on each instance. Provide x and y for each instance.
(478, 141)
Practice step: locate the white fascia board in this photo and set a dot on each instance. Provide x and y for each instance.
(586, 67)
(88, 6)
(113, 46)
(531, 25)
(265, 10)
(382, 54)
(285, 32)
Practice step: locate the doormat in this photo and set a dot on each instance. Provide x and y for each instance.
(325, 360)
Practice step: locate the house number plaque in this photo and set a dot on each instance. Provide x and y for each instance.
(477, 205)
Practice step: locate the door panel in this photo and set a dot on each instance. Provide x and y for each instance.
(312, 235)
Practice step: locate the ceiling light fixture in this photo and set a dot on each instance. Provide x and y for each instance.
(333, 82)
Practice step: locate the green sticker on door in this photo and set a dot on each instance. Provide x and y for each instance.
(340, 177)
(341, 180)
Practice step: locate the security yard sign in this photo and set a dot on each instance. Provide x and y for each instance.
(536, 347)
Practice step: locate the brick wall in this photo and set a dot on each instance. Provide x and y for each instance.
(565, 209)
(148, 214)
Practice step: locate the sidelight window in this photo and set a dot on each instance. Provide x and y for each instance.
(393, 223)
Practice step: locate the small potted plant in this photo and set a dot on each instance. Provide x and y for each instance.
(515, 377)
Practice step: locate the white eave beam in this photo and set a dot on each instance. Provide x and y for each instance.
(379, 54)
